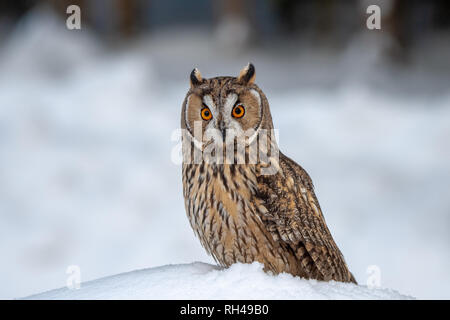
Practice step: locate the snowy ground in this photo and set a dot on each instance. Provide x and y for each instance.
(86, 176)
(204, 281)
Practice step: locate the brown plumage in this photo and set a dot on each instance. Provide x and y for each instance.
(239, 211)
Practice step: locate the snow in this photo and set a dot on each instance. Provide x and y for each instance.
(86, 176)
(204, 281)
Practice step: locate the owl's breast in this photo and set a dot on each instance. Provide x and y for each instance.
(224, 211)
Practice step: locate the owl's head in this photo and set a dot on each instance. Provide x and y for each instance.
(225, 105)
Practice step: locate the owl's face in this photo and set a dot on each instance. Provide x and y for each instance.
(224, 106)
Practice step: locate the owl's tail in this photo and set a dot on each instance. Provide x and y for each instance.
(352, 278)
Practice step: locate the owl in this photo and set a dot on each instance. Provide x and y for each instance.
(246, 205)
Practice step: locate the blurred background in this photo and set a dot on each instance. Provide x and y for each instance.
(87, 116)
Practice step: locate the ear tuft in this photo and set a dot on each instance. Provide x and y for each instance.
(247, 75)
(196, 78)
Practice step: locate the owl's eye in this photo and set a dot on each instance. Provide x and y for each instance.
(206, 113)
(238, 111)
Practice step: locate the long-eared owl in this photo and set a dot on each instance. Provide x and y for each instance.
(245, 200)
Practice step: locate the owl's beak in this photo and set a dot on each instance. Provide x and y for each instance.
(223, 130)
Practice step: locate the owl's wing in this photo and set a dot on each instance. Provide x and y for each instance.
(293, 215)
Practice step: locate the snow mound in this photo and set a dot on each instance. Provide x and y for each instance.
(204, 281)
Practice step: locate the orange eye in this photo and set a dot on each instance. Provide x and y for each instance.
(238, 111)
(206, 113)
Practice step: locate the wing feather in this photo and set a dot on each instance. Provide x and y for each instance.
(293, 215)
